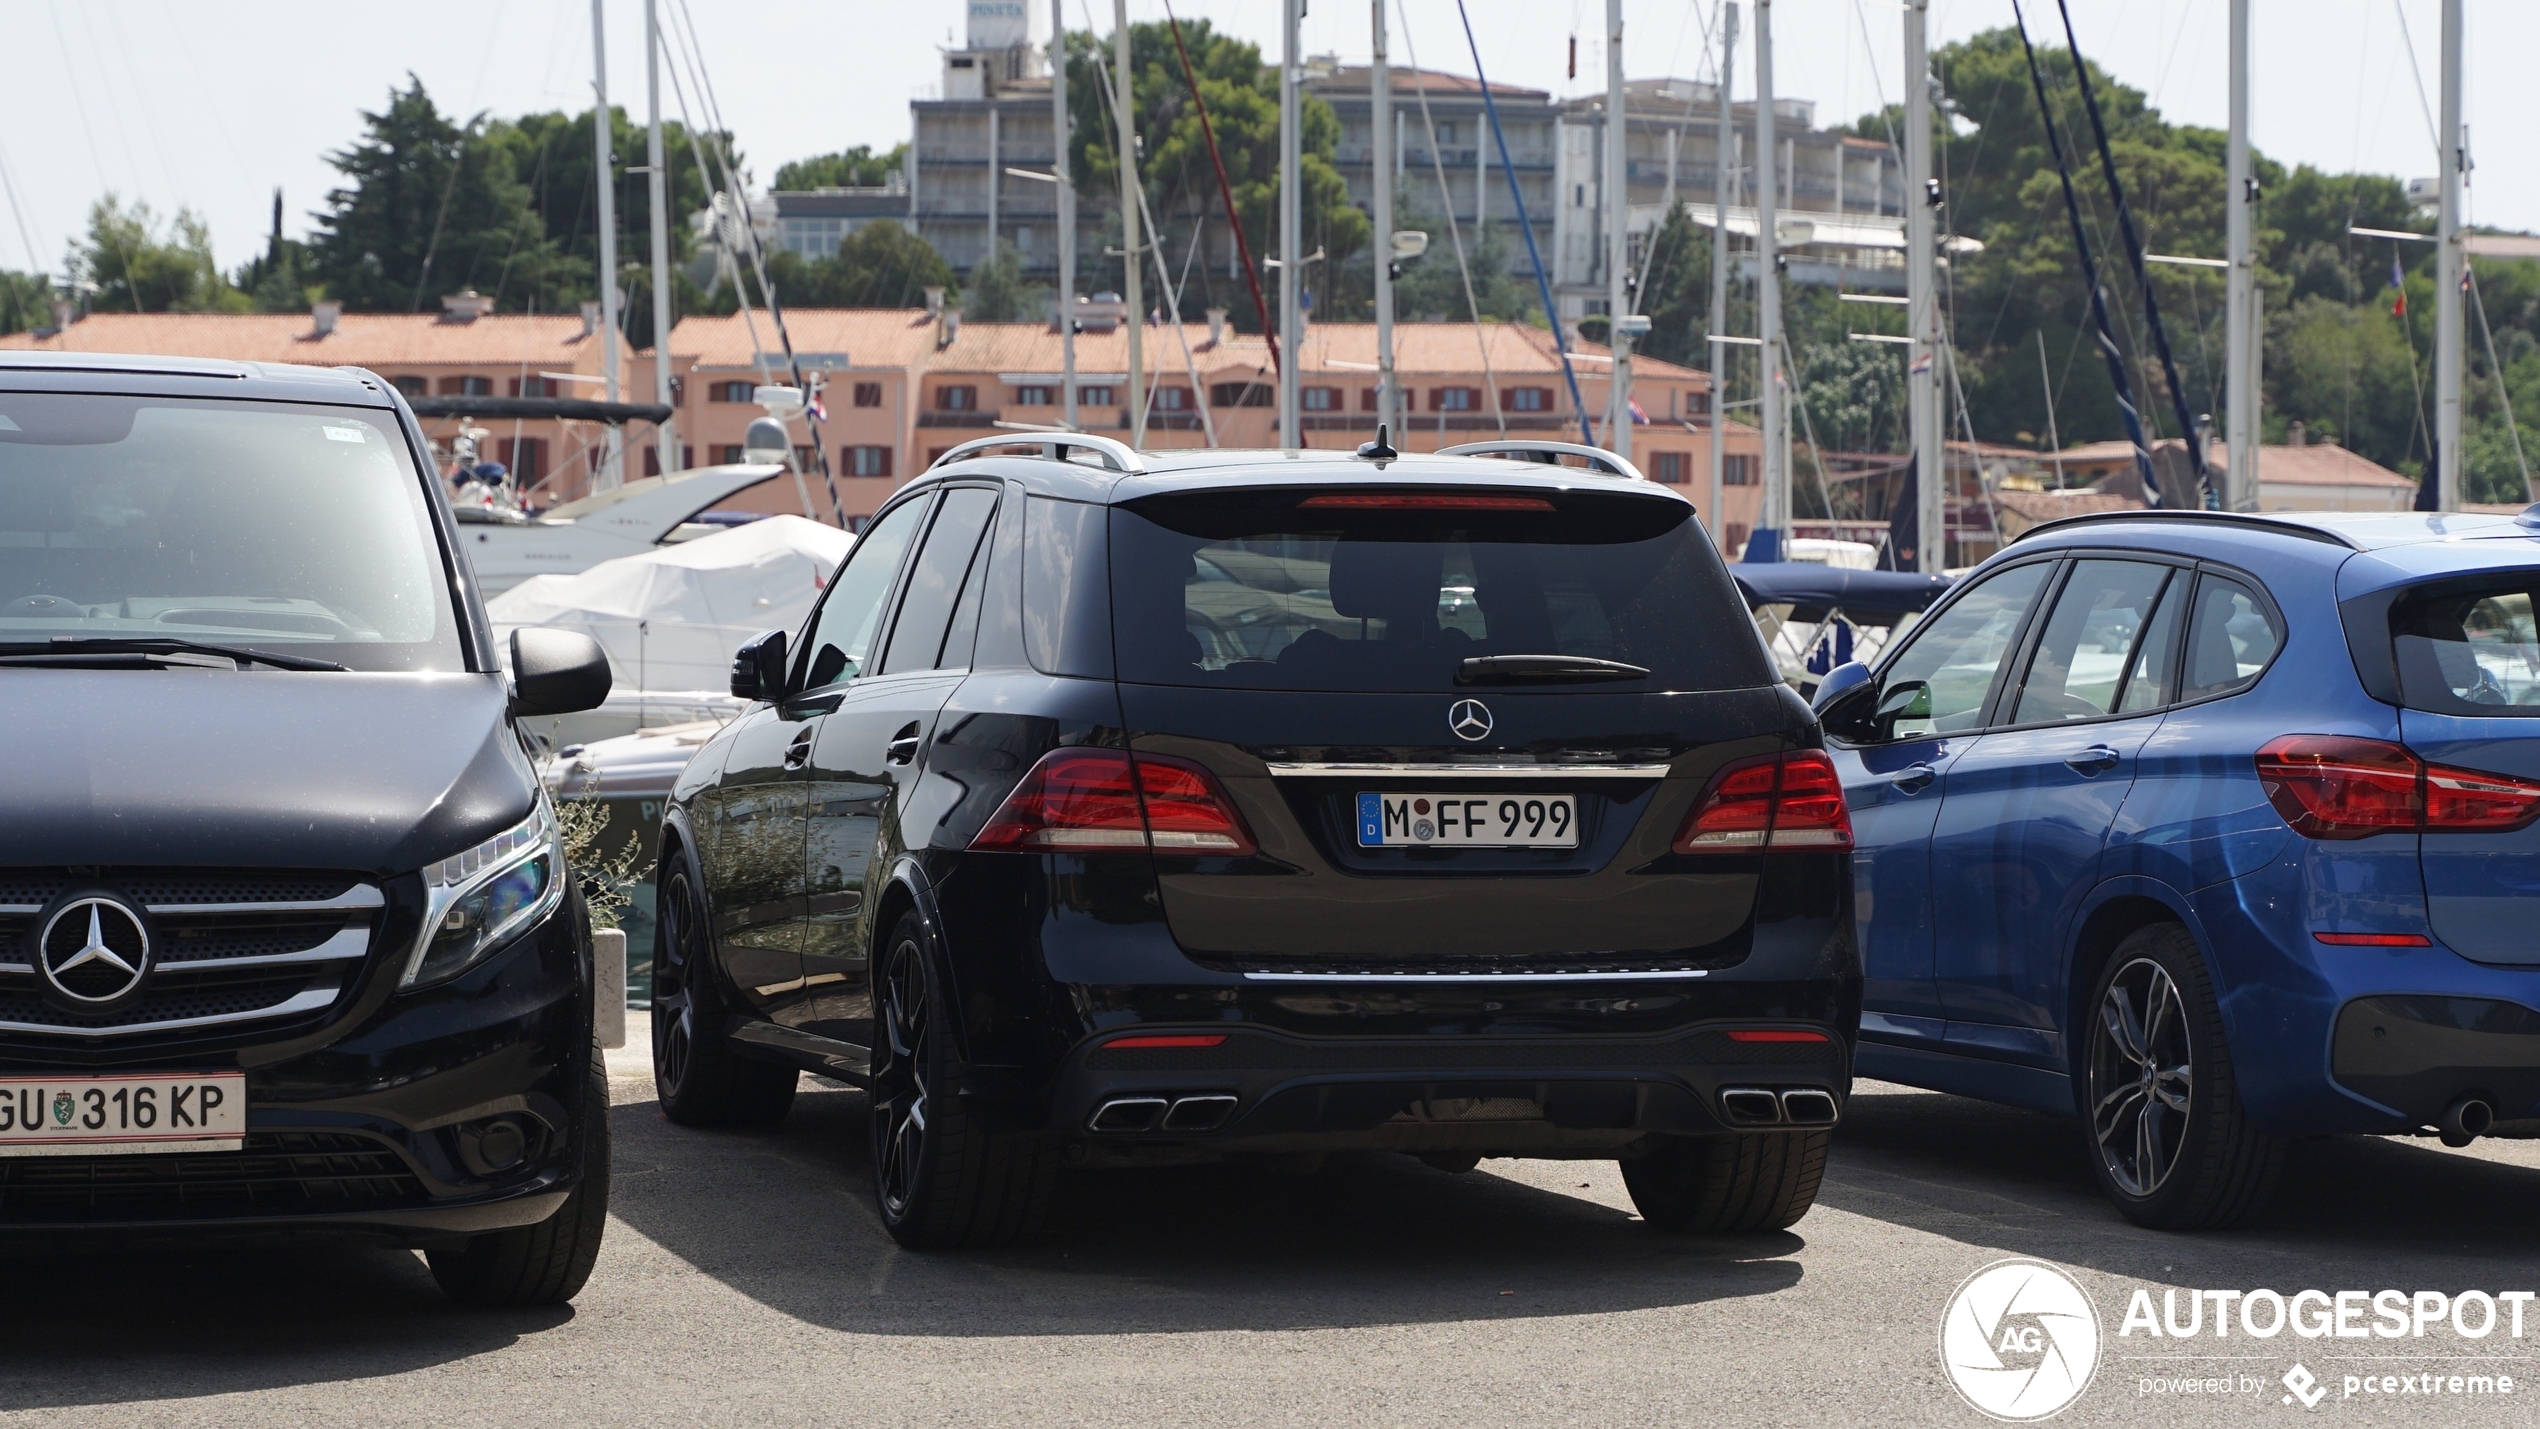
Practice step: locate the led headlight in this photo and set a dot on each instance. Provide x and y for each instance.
(475, 900)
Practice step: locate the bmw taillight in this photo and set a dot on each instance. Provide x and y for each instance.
(2336, 787)
(1774, 802)
(1100, 800)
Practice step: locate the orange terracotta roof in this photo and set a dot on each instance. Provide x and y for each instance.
(374, 340)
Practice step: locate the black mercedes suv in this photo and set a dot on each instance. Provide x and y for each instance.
(1120, 807)
(288, 941)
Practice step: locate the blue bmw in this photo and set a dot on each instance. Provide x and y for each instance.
(2210, 831)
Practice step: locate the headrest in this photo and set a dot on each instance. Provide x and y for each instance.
(1384, 580)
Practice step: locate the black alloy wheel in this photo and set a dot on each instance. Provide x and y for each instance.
(696, 1075)
(2142, 1077)
(942, 1176)
(2169, 1140)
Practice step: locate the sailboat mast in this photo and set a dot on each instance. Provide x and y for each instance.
(2448, 329)
(1922, 306)
(1291, 224)
(1380, 81)
(1724, 162)
(1062, 167)
(657, 190)
(1618, 410)
(1773, 527)
(1134, 324)
(2240, 387)
(603, 126)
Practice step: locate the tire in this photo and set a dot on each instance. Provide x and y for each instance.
(941, 1179)
(699, 1079)
(1728, 1185)
(2162, 1121)
(548, 1263)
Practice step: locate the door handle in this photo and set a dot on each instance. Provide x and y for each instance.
(1915, 779)
(903, 746)
(2096, 760)
(798, 753)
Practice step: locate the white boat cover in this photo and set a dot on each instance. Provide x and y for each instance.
(670, 618)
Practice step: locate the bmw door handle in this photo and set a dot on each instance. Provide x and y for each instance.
(903, 746)
(1915, 779)
(798, 753)
(2098, 759)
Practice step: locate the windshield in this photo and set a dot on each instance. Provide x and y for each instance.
(263, 526)
(1397, 592)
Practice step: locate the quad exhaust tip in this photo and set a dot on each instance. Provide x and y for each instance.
(1751, 1106)
(1808, 1106)
(1762, 1106)
(1202, 1112)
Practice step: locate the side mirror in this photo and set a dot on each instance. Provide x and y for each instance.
(1850, 675)
(557, 671)
(758, 667)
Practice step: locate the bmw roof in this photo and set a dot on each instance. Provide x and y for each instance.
(2355, 530)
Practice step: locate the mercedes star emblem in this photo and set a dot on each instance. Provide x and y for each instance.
(1470, 719)
(93, 952)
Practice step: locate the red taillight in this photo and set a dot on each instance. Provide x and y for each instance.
(2334, 787)
(1183, 1040)
(2375, 940)
(1774, 801)
(1775, 1034)
(1088, 801)
(1392, 501)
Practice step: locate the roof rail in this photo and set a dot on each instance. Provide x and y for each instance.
(1054, 446)
(1549, 453)
(2248, 519)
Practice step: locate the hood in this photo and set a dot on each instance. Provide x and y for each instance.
(254, 768)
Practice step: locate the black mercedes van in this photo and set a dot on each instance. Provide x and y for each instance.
(288, 941)
(1119, 807)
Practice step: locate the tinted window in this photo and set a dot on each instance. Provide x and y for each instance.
(2153, 682)
(1355, 590)
(2471, 652)
(842, 634)
(1958, 652)
(934, 583)
(297, 529)
(2100, 616)
(1066, 625)
(2230, 639)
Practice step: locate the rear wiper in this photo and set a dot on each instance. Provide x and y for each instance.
(1543, 669)
(29, 652)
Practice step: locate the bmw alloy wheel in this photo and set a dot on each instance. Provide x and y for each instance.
(899, 1077)
(2142, 1077)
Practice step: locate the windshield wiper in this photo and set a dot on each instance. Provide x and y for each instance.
(29, 652)
(1543, 669)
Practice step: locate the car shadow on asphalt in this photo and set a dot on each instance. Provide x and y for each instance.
(785, 1217)
(107, 1326)
(2356, 1210)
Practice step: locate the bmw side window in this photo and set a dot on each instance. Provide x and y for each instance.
(2102, 613)
(841, 642)
(2230, 638)
(2153, 682)
(2473, 652)
(1940, 682)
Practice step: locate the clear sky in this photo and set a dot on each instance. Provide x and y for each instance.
(211, 104)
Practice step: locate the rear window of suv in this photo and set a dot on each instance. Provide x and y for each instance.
(2471, 651)
(1358, 590)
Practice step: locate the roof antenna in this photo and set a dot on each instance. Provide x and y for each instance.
(1378, 451)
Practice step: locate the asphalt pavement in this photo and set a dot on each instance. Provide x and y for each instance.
(745, 1282)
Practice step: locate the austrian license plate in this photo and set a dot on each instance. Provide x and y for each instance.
(1468, 821)
(106, 1115)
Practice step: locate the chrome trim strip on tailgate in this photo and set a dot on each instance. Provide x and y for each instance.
(1478, 977)
(1472, 771)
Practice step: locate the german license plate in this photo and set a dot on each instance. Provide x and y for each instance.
(1468, 820)
(106, 1115)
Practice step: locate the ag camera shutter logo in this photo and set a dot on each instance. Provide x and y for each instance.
(2019, 1341)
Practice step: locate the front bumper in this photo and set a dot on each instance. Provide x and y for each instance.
(375, 1131)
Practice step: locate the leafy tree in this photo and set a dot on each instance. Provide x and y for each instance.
(880, 265)
(26, 301)
(552, 154)
(997, 292)
(856, 168)
(138, 266)
(277, 280)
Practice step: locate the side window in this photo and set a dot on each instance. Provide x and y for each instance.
(1955, 656)
(1066, 576)
(2153, 682)
(842, 634)
(2100, 616)
(2230, 638)
(2474, 652)
(934, 583)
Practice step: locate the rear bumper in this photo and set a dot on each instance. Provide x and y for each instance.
(1262, 1090)
(2418, 1055)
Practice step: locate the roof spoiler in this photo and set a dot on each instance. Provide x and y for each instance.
(2249, 520)
(1550, 454)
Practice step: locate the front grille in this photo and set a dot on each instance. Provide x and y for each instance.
(279, 1173)
(34, 887)
(206, 941)
(188, 1000)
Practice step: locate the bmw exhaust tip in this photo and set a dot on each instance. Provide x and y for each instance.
(2466, 1120)
(1750, 1106)
(1808, 1106)
(1129, 1114)
(1205, 1113)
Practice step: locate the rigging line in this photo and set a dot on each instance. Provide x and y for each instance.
(1454, 231)
(812, 420)
(2416, 375)
(1225, 188)
(1975, 460)
(1153, 252)
(88, 132)
(1526, 226)
(2416, 73)
(1816, 453)
(17, 210)
(432, 245)
(2108, 350)
(1878, 87)
(1667, 204)
(129, 66)
(2497, 369)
